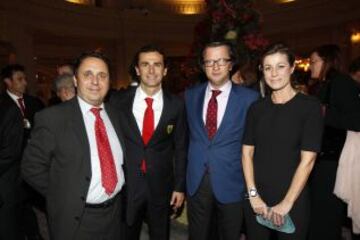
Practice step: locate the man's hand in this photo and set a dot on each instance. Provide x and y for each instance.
(177, 199)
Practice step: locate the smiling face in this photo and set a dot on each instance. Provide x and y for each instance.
(217, 65)
(92, 80)
(277, 71)
(151, 70)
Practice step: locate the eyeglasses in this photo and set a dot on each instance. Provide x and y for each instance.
(219, 62)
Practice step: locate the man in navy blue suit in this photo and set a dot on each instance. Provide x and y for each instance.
(216, 112)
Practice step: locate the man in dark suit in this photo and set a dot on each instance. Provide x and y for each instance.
(11, 133)
(216, 113)
(14, 77)
(75, 155)
(156, 141)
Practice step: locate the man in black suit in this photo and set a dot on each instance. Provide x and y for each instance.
(75, 155)
(14, 77)
(11, 133)
(156, 142)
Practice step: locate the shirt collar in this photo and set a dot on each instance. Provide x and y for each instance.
(225, 89)
(13, 96)
(141, 95)
(85, 107)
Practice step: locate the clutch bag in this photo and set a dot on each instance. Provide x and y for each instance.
(287, 227)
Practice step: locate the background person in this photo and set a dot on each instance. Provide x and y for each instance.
(14, 77)
(11, 134)
(64, 86)
(336, 93)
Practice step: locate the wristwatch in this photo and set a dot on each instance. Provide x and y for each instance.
(253, 192)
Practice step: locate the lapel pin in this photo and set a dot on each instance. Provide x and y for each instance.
(169, 128)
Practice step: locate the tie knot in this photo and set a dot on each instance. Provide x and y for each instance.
(20, 100)
(96, 111)
(149, 101)
(215, 93)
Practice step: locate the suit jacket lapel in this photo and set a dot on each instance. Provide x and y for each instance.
(78, 126)
(9, 100)
(163, 118)
(228, 112)
(199, 99)
(129, 115)
(116, 124)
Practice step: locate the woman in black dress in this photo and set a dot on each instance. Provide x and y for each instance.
(282, 136)
(341, 109)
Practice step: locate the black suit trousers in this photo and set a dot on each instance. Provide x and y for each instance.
(10, 206)
(101, 223)
(155, 214)
(209, 219)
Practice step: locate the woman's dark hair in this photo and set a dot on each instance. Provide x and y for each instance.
(331, 55)
(278, 48)
(145, 49)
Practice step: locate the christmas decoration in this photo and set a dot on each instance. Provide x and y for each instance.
(234, 20)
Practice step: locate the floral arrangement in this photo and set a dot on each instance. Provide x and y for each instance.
(233, 20)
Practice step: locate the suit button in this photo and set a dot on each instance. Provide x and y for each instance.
(87, 178)
(77, 218)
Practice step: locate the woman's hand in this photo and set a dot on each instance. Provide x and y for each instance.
(278, 212)
(259, 206)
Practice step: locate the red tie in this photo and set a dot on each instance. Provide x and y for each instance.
(107, 165)
(148, 127)
(211, 114)
(22, 105)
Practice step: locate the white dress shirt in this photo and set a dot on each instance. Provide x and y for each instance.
(139, 107)
(96, 193)
(15, 98)
(222, 100)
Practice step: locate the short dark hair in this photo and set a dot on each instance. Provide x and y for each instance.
(145, 49)
(9, 70)
(232, 52)
(95, 54)
(355, 65)
(278, 48)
